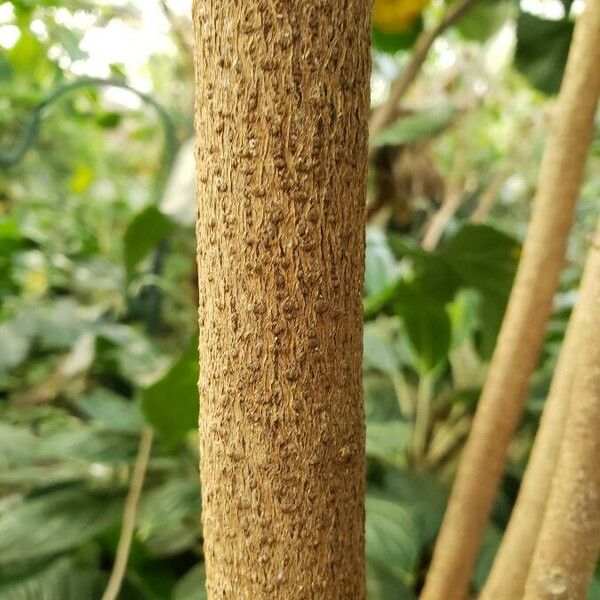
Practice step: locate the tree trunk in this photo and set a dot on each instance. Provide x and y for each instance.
(524, 324)
(281, 122)
(516, 551)
(569, 540)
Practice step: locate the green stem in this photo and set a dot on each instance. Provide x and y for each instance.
(422, 415)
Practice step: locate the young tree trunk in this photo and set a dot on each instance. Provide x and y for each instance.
(523, 328)
(569, 540)
(516, 551)
(281, 122)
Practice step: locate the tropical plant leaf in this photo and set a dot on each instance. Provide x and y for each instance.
(49, 524)
(542, 50)
(192, 585)
(392, 536)
(169, 517)
(146, 230)
(388, 440)
(416, 127)
(62, 579)
(171, 404)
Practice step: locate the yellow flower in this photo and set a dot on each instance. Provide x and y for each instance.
(36, 282)
(394, 16)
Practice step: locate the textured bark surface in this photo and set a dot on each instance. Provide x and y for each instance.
(569, 539)
(281, 123)
(523, 328)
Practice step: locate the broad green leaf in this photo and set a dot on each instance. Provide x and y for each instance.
(484, 19)
(422, 494)
(428, 328)
(147, 229)
(384, 585)
(169, 517)
(26, 53)
(392, 536)
(381, 267)
(483, 257)
(388, 440)
(171, 404)
(416, 127)
(62, 579)
(542, 50)
(111, 411)
(55, 522)
(379, 352)
(192, 585)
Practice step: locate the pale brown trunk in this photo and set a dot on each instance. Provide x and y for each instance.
(523, 328)
(281, 112)
(516, 551)
(569, 540)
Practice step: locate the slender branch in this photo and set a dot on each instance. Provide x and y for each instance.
(516, 551)
(488, 198)
(569, 536)
(522, 333)
(386, 113)
(130, 515)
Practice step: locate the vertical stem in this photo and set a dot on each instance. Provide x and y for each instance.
(516, 551)
(422, 415)
(522, 330)
(569, 540)
(129, 516)
(281, 123)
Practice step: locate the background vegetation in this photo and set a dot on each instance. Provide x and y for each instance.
(98, 286)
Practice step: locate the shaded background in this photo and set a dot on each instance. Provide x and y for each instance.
(98, 291)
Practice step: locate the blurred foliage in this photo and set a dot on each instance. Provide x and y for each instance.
(98, 295)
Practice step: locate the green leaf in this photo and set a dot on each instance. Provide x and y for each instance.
(484, 19)
(379, 353)
(146, 230)
(111, 411)
(169, 516)
(391, 43)
(54, 522)
(483, 258)
(171, 404)
(416, 127)
(383, 585)
(392, 536)
(26, 53)
(428, 327)
(422, 494)
(489, 547)
(192, 585)
(542, 50)
(388, 440)
(62, 579)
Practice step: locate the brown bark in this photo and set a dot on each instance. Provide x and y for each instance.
(516, 550)
(281, 123)
(523, 328)
(569, 540)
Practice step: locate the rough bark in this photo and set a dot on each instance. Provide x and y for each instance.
(569, 540)
(522, 331)
(281, 124)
